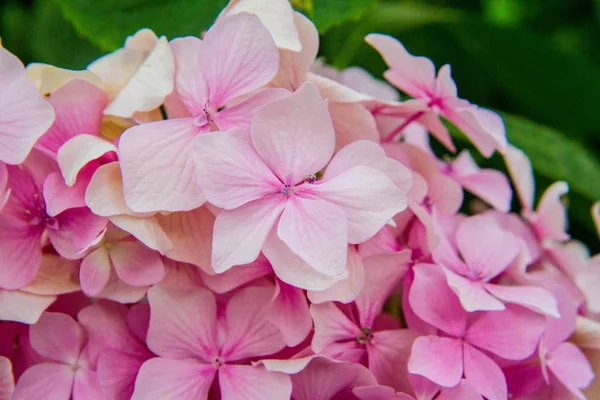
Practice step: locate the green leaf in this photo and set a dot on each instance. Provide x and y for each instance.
(556, 156)
(54, 41)
(108, 22)
(328, 13)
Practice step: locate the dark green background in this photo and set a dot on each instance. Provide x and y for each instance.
(535, 61)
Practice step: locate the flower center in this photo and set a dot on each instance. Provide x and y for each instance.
(366, 336)
(218, 362)
(36, 211)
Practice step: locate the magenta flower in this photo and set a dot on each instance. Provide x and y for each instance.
(198, 340)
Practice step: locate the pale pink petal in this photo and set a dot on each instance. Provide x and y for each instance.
(315, 230)
(472, 294)
(439, 359)
(150, 84)
(331, 325)
(521, 173)
(136, 264)
(433, 124)
(535, 298)
(484, 374)
(413, 75)
(353, 191)
(157, 166)
(289, 312)
(379, 393)
(464, 391)
(485, 255)
(512, 334)
(78, 105)
(276, 15)
(570, 366)
(389, 356)
(293, 145)
(182, 323)
(383, 274)
(20, 252)
(55, 276)
(49, 78)
(250, 59)
(146, 230)
(244, 382)
(352, 122)
(444, 194)
(191, 234)
(444, 84)
(7, 384)
(94, 273)
(25, 114)
(240, 234)
(291, 269)
(86, 386)
(229, 171)
(344, 291)
(249, 331)
(104, 194)
(434, 302)
(237, 276)
(484, 128)
(166, 379)
(23, 307)
(551, 218)
(57, 337)
(295, 64)
(118, 291)
(78, 151)
(359, 79)
(60, 197)
(45, 381)
(240, 115)
(117, 372)
(334, 91)
(180, 275)
(190, 85)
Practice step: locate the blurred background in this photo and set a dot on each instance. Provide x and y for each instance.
(537, 62)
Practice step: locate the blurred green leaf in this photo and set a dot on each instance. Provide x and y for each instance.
(15, 21)
(54, 41)
(108, 22)
(327, 13)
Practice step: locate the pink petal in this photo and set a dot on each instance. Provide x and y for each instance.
(512, 334)
(182, 323)
(57, 337)
(289, 312)
(240, 234)
(248, 62)
(60, 197)
(379, 393)
(464, 391)
(344, 291)
(117, 372)
(229, 171)
(237, 276)
(136, 264)
(78, 105)
(19, 250)
(445, 194)
(78, 229)
(315, 230)
(86, 386)
(354, 190)
(484, 374)
(276, 15)
(293, 145)
(25, 114)
(55, 276)
(190, 85)
(166, 379)
(389, 357)
(94, 273)
(331, 326)
(23, 307)
(434, 302)
(240, 115)
(7, 384)
(78, 151)
(439, 359)
(444, 85)
(521, 173)
(551, 219)
(104, 194)
(570, 366)
(485, 255)
(158, 171)
(45, 381)
(535, 298)
(413, 75)
(291, 269)
(146, 230)
(383, 274)
(352, 122)
(244, 382)
(191, 234)
(359, 79)
(118, 291)
(249, 331)
(472, 294)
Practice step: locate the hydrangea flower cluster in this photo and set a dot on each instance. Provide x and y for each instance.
(230, 218)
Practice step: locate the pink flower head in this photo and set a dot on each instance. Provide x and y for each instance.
(198, 339)
(270, 178)
(25, 220)
(436, 95)
(25, 114)
(512, 334)
(359, 333)
(66, 371)
(158, 173)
